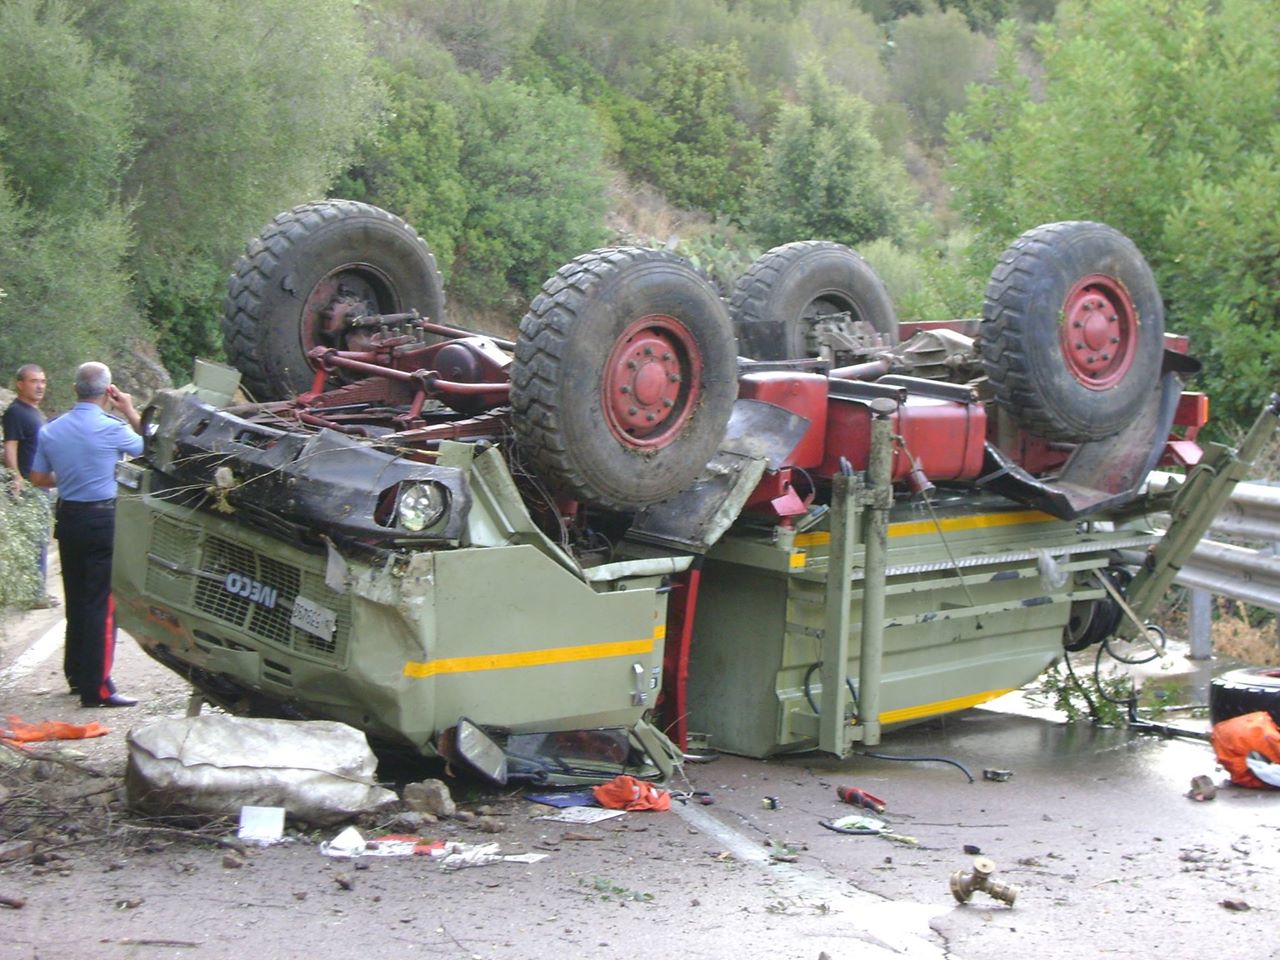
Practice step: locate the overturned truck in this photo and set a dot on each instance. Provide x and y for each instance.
(786, 521)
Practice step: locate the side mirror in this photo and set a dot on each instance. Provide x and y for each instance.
(481, 751)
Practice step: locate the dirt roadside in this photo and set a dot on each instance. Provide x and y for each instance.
(1093, 826)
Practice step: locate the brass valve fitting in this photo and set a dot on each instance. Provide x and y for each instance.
(964, 884)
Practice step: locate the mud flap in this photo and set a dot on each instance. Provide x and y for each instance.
(1101, 474)
(759, 437)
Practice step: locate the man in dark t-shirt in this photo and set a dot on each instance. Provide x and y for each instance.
(22, 423)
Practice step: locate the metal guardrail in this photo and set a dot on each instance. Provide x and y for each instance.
(1251, 575)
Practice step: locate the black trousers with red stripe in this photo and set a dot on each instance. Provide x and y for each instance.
(85, 535)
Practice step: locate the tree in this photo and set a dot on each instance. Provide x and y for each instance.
(850, 43)
(824, 172)
(934, 58)
(484, 36)
(1157, 118)
(243, 108)
(410, 166)
(64, 234)
(533, 164)
(712, 155)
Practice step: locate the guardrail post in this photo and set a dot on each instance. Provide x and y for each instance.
(1200, 617)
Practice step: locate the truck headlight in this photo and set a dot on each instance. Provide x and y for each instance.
(128, 475)
(420, 505)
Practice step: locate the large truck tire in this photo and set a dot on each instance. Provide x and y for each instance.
(1243, 691)
(624, 377)
(309, 269)
(1072, 336)
(776, 302)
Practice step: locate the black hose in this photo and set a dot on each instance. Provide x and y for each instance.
(808, 695)
(955, 763)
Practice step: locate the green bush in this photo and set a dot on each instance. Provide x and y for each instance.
(533, 162)
(23, 524)
(825, 175)
(1174, 143)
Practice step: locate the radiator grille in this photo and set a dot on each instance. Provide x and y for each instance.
(190, 570)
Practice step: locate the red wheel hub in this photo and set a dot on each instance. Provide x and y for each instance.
(1099, 333)
(651, 382)
(348, 291)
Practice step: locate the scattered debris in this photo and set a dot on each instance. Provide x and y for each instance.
(973, 850)
(232, 861)
(261, 826)
(862, 825)
(320, 771)
(857, 797)
(1202, 788)
(582, 815)
(344, 880)
(411, 821)
(1238, 906)
(771, 803)
(964, 884)
(16, 850)
(455, 855)
(13, 903)
(997, 776)
(782, 852)
(430, 796)
(628, 793)
(17, 731)
(703, 797)
(564, 798)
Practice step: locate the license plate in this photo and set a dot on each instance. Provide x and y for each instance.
(314, 619)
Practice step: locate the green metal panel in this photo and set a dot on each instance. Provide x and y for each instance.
(968, 614)
(506, 635)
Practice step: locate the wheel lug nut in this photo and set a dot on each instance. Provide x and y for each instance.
(674, 377)
(648, 351)
(1115, 339)
(1079, 346)
(668, 403)
(632, 365)
(1077, 323)
(1106, 356)
(624, 389)
(632, 411)
(650, 417)
(666, 355)
(1113, 318)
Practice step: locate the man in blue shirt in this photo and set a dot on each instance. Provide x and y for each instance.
(77, 452)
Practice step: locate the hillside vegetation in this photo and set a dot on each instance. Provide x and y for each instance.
(142, 142)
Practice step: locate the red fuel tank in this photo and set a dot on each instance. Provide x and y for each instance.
(804, 394)
(943, 438)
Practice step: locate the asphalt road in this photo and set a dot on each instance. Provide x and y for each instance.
(1093, 827)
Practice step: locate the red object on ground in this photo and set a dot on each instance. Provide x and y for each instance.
(628, 793)
(19, 731)
(1234, 739)
(858, 797)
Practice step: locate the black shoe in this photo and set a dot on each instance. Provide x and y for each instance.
(115, 700)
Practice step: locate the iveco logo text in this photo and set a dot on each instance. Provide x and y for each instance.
(254, 590)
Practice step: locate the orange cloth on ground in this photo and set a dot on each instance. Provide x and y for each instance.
(19, 731)
(1234, 739)
(628, 793)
